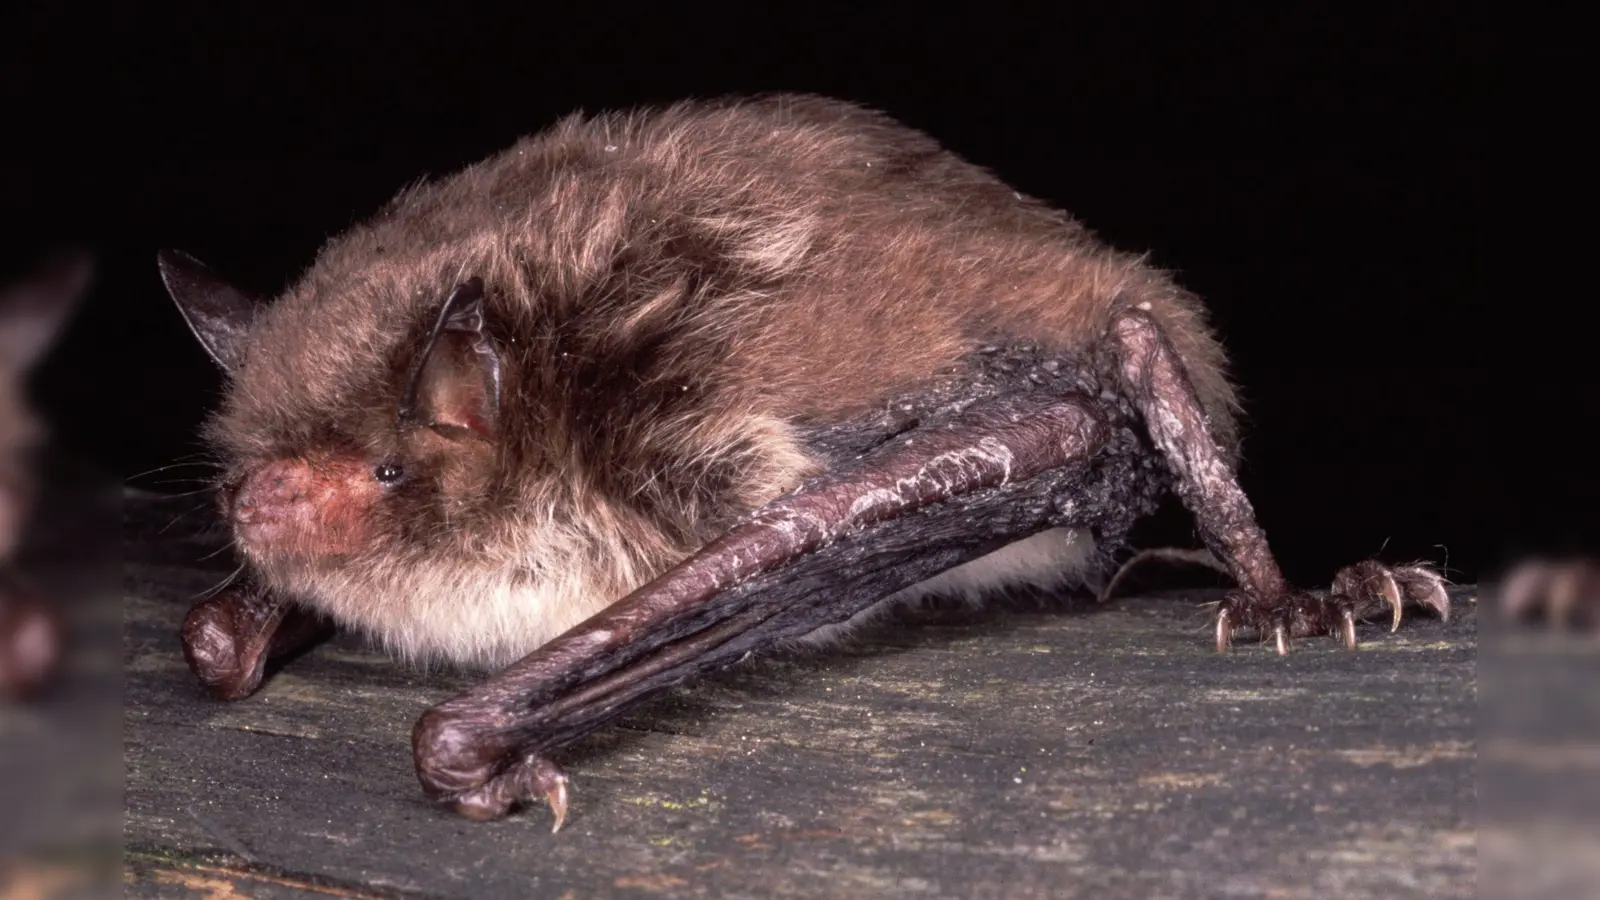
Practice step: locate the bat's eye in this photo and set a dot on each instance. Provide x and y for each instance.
(388, 474)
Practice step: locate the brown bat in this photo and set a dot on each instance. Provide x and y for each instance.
(648, 392)
(32, 312)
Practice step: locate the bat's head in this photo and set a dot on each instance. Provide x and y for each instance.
(377, 461)
(32, 311)
(340, 438)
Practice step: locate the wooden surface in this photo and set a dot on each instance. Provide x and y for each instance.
(1075, 752)
(61, 752)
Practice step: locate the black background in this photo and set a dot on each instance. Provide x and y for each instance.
(1311, 171)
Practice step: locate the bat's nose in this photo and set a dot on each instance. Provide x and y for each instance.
(298, 506)
(274, 505)
(272, 493)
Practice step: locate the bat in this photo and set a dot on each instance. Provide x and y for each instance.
(33, 310)
(650, 391)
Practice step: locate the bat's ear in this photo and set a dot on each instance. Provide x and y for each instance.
(458, 394)
(456, 390)
(218, 313)
(33, 310)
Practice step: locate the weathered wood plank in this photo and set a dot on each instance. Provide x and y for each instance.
(1071, 753)
(60, 757)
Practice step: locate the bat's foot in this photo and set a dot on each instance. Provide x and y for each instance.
(1564, 594)
(1358, 592)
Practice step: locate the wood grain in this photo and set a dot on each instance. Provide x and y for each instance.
(1073, 752)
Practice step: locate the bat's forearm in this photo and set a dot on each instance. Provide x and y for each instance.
(815, 557)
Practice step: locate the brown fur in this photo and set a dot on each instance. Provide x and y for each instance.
(673, 292)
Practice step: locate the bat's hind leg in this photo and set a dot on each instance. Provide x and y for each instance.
(1156, 381)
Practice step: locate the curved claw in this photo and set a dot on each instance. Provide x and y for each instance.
(1371, 583)
(1356, 593)
(556, 796)
(1424, 586)
(1390, 592)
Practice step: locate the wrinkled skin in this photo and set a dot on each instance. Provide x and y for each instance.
(975, 464)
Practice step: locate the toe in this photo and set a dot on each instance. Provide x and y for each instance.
(556, 795)
(539, 777)
(1347, 627)
(1224, 630)
(1424, 587)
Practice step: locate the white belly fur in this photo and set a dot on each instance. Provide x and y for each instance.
(1049, 559)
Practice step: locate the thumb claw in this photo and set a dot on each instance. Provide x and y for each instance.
(556, 795)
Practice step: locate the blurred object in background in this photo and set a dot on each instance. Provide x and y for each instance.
(1539, 761)
(1565, 593)
(32, 312)
(60, 688)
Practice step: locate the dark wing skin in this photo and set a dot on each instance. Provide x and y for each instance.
(1016, 444)
(931, 498)
(1013, 456)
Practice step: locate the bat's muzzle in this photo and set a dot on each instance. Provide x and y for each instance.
(296, 507)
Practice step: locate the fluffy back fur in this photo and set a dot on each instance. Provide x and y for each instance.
(675, 294)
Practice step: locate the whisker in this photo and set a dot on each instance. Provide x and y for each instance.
(220, 585)
(179, 517)
(228, 546)
(176, 465)
(204, 490)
